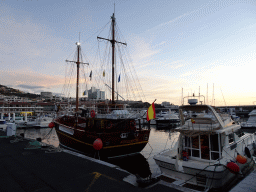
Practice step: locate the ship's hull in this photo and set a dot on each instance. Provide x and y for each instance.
(115, 143)
(217, 177)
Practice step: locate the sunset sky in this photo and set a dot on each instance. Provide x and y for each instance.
(174, 45)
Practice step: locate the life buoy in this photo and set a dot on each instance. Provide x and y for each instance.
(92, 113)
(247, 152)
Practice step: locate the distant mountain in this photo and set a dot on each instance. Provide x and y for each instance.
(8, 91)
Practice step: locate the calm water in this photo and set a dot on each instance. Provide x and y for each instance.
(142, 164)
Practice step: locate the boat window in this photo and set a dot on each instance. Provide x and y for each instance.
(195, 142)
(214, 147)
(239, 133)
(204, 141)
(231, 137)
(195, 153)
(187, 141)
(214, 142)
(2, 122)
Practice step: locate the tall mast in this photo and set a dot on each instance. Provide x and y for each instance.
(113, 42)
(113, 56)
(77, 73)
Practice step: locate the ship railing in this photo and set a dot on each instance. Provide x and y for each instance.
(201, 125)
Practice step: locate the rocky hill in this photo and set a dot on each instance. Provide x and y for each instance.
(8, 91)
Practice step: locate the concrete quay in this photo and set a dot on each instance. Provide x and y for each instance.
(28, 167)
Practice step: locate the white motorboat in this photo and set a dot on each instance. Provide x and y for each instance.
(167, 118)
(37, 122)
(206, 146)
(251, 122)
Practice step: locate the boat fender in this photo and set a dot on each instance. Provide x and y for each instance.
(92, 113)
(51, 125)
(97, 144)
(247, 152)
(233, 167)
(241, 159)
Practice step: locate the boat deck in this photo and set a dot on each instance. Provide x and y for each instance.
(38, 169)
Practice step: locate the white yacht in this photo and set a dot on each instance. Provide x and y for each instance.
(251, 122)
(166, 118)
(207, 144)
(36, 122)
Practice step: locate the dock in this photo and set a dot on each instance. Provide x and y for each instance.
(247, 184)
(27, 166)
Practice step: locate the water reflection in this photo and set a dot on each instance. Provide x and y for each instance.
(165, 127)
(135, 164)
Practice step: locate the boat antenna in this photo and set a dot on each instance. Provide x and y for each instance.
(207, 95)
(223, 98)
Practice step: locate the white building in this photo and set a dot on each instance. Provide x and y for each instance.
(46, 95)
(12, 98)
(97, 94)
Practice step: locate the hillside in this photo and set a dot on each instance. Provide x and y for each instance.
(8, 91)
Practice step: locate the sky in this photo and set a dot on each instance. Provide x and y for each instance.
(177, 47)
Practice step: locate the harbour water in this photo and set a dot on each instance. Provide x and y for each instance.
(142, 164)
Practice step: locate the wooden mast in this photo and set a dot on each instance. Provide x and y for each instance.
(113, 57)
(113, 41)
(77, 74)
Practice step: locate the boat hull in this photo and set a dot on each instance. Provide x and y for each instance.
(113, 145)
(211, 177)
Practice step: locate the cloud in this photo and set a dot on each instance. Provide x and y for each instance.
(29, 80)
(141, 49)
(26, 44)
(30, 86)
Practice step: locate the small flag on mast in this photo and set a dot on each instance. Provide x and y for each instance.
(119, 78)
(151, 113)
(90, 75)
(104, 73)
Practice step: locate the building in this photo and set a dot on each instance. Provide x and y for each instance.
(18, 107)
(97, 94)
(46, 95)
(166, 104)
(12, 98)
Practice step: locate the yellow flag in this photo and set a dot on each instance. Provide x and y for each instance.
(151, 113)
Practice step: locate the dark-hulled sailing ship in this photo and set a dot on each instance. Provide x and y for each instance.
(107, 129)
